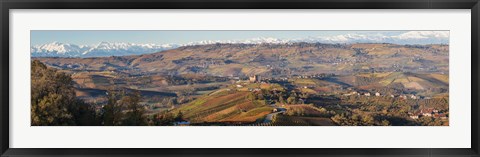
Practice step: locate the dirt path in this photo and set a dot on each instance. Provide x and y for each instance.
(269, 117)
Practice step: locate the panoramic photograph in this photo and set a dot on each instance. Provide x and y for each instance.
(239, 78)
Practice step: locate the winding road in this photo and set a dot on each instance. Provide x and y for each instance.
(269, 117)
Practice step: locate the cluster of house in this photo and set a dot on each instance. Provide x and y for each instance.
(258, 79)
(411, 96)
(249, 89)
(323, 75)
(428, 112)
(360, 93)
(281, 79)
(401, 96)
(254, 89)
(309, 87)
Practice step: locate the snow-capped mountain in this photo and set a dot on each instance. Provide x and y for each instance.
(58, 49)
(123, 49)
(411, 37)
(102, 49)
(261, 40)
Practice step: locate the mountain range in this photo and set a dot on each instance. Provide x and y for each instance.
(104, 49)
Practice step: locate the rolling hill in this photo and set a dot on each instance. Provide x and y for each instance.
(270, 60)
(225, 106)
(431, 83)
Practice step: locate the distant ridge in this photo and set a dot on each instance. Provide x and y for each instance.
(104, 49)
(271, 59)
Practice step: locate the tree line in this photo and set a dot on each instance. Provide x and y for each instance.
(54, 103)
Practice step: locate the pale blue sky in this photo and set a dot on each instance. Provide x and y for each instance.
(87, 37)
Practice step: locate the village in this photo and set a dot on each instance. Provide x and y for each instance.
(286, 85)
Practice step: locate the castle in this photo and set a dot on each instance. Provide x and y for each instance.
(254, 78)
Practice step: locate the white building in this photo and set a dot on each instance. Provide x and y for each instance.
(414, 116)
(413, 96)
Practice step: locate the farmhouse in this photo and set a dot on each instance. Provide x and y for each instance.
(428, 112)
(414, 116)
(413, 96)
(440, 115)
(279, 109)
(351, 93)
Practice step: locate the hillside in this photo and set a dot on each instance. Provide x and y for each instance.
(279, 84)
(271, 59)
(225, 106)
(389, 82)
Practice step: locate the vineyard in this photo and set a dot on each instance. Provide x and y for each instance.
(279, 120)
(225, 107)
(283, 120)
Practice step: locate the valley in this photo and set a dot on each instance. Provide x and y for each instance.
(280, 84)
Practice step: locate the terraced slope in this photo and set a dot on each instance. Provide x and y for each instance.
(225, 106)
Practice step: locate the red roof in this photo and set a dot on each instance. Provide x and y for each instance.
(427, 110)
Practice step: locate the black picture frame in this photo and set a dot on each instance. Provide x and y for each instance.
(6, 5)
